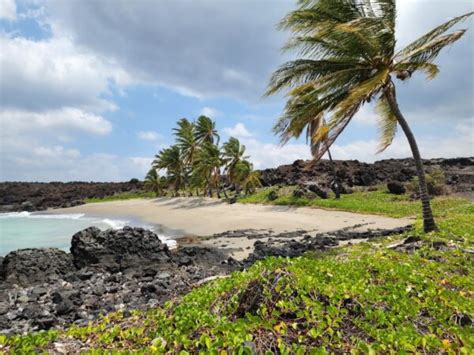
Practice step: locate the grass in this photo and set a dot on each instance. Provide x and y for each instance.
(122, 196)
(364, 298)
(371, 202)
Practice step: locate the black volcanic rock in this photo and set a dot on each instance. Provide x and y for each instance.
(27, 267)
(115, 270)
(37, 196)
(396, 188)
(115, 250)
(459, 172)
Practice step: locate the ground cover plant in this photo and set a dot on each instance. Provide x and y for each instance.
(121, 196)
(373, 202)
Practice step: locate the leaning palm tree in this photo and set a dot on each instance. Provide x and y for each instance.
(186, 140)
(246, 177)
(188, 145)
(252, 182)
(349, 58)
(233, 154)
(206, 131)
(208, 165)
(170, 160)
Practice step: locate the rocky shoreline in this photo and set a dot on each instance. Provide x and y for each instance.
(39, 196)
(127, 269)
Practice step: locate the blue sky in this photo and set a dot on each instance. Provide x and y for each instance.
(90, 90)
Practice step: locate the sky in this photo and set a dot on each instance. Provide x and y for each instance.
(90, 90)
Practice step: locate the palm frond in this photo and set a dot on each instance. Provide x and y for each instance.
(360, 94)
(430, 50)
(387, 124)
(301, 71)
(430, 36)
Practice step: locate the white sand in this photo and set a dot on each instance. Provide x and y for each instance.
(196, 216)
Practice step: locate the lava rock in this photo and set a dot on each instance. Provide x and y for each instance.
(34, 196)
(27, 267)
(396, 188)
(115, 250)
(315, 188)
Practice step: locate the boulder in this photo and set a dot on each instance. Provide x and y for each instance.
(116, 250)
(272, 195)
(301, 191)
(396, 188)
(27, 267)
(315, 188)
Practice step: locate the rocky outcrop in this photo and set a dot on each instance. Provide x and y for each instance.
(281, 245)
(459, 172)
(35, 196)
(106, 271)
(117, 250)
(31, 266)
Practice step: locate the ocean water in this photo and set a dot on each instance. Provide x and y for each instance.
(20, 230)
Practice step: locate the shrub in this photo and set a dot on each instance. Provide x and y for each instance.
(435, 182)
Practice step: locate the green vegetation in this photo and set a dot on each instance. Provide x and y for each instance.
(348, 57)
(365, 298)
(121, 196)
(372, 202)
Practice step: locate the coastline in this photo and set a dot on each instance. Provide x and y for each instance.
(196, 220)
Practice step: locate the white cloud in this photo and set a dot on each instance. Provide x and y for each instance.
(8, 10)
(149, 135)
(269, 155)
(65, 119)
(204, 49)
(143, 163)
(57, 163)
(55, 152)
(236, 76)
(210, 112)
(54, 73)
(238, 131)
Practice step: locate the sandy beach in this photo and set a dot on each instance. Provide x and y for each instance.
(201, 217)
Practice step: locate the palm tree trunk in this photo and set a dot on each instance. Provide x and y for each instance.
(429, 224)
(335, 184)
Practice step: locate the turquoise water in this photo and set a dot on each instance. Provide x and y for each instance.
(35, 230)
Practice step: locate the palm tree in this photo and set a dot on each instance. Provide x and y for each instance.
(208, 165)
(170, 159)
(154, 182)
(206, 131)
(233, 154)
(186, 140)
(252, 182)
(349, 58)
(246, 177)
(188, 145)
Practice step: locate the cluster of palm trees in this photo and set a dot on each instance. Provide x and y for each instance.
(197, 164)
